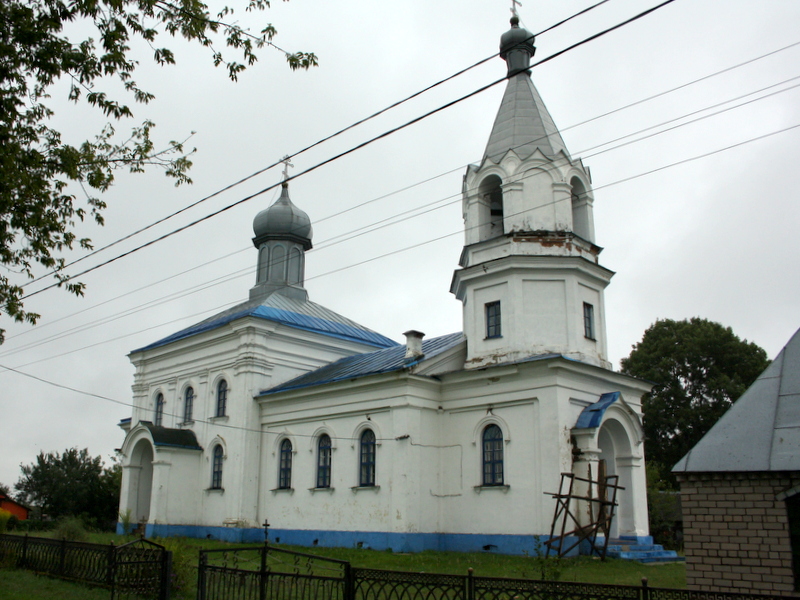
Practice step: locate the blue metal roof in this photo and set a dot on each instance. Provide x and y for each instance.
(592, 415)
(304, 315)
(370, 363)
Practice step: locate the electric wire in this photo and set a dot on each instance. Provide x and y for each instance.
(310, 146)
(353, 149)
(447, 235)
(414, 212)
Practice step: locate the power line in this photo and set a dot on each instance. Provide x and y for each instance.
(394, 219)
(355, 148)
(451, 234)
(311, 146)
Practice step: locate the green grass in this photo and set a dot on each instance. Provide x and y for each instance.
(581, 569)
(24, 585)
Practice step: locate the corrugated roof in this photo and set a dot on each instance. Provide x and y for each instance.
(369, 363)
(761, 431)
(523, 124)
(305, 315)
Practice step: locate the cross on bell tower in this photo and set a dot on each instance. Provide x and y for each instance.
(286, 160)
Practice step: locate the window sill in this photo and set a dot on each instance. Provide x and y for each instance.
(220, 419)
(484, 488)
(493, 337)
(186, 424)
(591, 339)
(288, 490)
(364, 488)
(314, 490)
(215, 491)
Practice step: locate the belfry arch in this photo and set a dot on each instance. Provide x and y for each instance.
(491, 217)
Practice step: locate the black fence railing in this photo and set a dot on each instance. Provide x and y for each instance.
(268, 573)
(140, 568)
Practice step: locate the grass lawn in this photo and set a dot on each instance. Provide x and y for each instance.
(581, 569)
(24, 585)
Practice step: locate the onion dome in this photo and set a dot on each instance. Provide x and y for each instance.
(516, 47)
(282, 221)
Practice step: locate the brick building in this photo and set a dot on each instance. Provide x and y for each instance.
(740, 489)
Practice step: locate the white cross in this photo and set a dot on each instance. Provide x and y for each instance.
(286, 164)
(514, 5)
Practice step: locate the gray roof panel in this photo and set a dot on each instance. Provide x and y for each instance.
(523, 124)
(761, 431)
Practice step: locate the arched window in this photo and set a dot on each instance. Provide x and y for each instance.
(581, 210)
(324, 461)
(366, 477)
(295, 262)
(492, 455)
(188, 405)
(159, 416)
(491, 218)
(285, 469)
(216, 469)
(222, 398)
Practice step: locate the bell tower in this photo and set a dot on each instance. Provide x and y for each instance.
(530, 281)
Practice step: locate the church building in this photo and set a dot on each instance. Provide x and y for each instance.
(279, 410)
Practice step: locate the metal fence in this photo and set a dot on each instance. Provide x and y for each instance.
(268, 573)
(140, 568)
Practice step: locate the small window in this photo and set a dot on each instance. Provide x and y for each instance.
(324, 461)
(188, 405)
(285, 468)
(366, 477)
(159, 416)
(493, 329)
(492, 455)
(216, 469)
(588, 320)
(222, 398)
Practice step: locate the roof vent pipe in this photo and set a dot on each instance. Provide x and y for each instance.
(414, 343)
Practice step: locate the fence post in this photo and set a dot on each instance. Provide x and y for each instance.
(166, 574)
(645, 589)
(63, 557)
(24, 562)
(470, 585)
(349, 583)
(201, 576)
(110, 572)
(262, 574)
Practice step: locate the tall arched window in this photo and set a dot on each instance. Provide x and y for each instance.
(491, 217)
(277, 265)
(159, 415)
(216, 468)
(492, 455)
(324, 461)
(366, 477)
(222, 398)
(263, 264)
(188, 405)
(285, 469)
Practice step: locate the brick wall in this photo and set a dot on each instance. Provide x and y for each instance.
(736, 532)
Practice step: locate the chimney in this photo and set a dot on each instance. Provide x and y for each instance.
(414, 344)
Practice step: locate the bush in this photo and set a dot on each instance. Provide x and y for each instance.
(71, 529)
(4, 518)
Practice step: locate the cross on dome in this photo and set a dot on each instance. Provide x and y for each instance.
(286, 160)
(514, 5)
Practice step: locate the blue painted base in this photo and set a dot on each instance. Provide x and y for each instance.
(530, 545)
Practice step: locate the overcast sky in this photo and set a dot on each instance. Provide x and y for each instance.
(713, 236)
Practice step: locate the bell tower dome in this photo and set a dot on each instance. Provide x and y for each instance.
(530, 281)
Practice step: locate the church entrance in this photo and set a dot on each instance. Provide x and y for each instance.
(141, 481)
(615, 452)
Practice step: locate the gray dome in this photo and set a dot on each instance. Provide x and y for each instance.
(516, 38)
(283, 220)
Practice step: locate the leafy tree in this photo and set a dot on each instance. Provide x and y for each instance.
(5, 490)
(72, 484)
(39, 172)
(699, 369)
